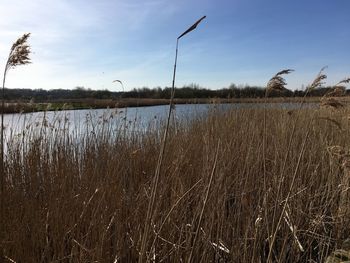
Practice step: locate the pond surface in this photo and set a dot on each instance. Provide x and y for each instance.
(136, 118)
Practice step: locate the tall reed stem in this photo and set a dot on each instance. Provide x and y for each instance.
(158, 167)
(204, 202)
(2, 165)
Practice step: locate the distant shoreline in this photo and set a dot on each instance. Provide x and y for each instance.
(79, 104)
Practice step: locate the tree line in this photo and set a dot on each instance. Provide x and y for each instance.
(191, 91)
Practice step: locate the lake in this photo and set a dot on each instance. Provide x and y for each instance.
(134, 118)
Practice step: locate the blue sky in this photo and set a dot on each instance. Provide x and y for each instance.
(91, 43)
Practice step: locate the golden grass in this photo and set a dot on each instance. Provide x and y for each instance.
(18, 55)
(24, 107)
(85, 199)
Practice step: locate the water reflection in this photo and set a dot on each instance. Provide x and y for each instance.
(136, 119)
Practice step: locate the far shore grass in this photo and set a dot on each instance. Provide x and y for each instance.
(77, 104)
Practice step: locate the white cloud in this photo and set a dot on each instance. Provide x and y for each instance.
(74, 41)
(55, 25)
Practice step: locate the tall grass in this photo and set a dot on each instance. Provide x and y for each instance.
(83, 197)
(18, 55)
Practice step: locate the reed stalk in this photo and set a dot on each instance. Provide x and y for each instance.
(19, 55)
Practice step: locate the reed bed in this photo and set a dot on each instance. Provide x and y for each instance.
(72, 197)
(71, 104)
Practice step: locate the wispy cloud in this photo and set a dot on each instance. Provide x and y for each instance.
(69, 38)
(73, 42)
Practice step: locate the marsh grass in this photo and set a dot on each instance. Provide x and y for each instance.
(83, 197)
(18, 55)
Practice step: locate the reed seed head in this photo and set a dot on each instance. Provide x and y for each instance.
(344, 81)
(20, 51)
(332, 102)
(318, 81)
(277, 82)
(336, 91)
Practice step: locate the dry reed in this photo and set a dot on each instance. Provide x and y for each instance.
(65, 200)
(19, 55)
(318, 81)
(277, 82)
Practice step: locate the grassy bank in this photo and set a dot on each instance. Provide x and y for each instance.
(73, 104)
(275, 190)
(24, 107)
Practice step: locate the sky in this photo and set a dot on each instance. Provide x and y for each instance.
(90, 43)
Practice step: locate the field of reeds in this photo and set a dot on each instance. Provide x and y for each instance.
(246, 185)
(78, 104)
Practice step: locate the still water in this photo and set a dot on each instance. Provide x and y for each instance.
(133, 118)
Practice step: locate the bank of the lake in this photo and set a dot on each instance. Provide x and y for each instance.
(75, 104)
